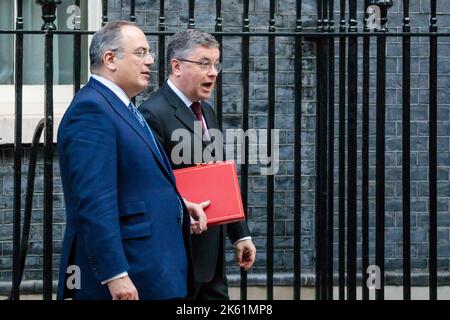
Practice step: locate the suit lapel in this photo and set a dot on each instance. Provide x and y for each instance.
(182, 112)
(210, 119)
(118, 106)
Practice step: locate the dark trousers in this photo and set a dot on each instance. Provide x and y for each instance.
(216, 289)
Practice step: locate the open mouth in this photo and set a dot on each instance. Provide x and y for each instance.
(208, 85)
(147, 73)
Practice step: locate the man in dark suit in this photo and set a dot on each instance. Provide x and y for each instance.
(193, 63)
(127, 228)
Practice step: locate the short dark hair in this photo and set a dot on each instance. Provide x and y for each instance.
(183, 42)
(107, 38)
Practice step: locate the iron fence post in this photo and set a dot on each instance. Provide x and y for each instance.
(381, 142)
(49, 16)
(18, 152)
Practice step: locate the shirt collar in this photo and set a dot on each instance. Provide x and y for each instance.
(180, 94)
(118, 91)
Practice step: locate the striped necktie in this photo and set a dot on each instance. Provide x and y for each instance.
(142, 121)
(198, 111)
(138, 115)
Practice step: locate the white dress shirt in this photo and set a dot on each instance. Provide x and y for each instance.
(118, 91)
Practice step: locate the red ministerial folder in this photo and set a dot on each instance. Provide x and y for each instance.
(217, 182)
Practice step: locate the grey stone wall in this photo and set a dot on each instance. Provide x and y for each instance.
(33, 265)
(176, 18)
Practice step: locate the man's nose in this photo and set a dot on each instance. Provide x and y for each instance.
(149, 60)
(213, 72)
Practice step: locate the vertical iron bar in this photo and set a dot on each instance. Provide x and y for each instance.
(245, 67)
(298, 153)
(191, 24)
(48, 167)
(321, 158)
(406, 155)
(433, 152)
(322, 118)
(161, 45)
(133, 10)
(330, 170)
(270, 177)
(76, 55)
(380, 156)
(319, 161)
(365, 156)
(352, 159)
(133, 19)
(342, 119)
(104, 12)
(218, 99)
(18, 84)
(48, 15)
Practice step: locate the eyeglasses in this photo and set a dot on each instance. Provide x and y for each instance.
(205, 65)
(143, 54)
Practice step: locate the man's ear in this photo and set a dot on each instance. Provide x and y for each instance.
(176, 65)
(109, 60)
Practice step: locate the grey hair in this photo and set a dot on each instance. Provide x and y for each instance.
(183, 42)
(107, 38)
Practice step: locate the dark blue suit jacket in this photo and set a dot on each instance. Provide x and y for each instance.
(122, 212)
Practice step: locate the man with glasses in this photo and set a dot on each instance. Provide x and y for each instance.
(127, 232)
(193, 66)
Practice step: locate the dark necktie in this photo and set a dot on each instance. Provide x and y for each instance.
(197, 109)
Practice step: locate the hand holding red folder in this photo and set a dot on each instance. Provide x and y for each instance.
(198, 216)
(215, 182)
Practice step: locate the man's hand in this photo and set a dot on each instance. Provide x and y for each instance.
(123, 289)
(198, 216)
(245, 254)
